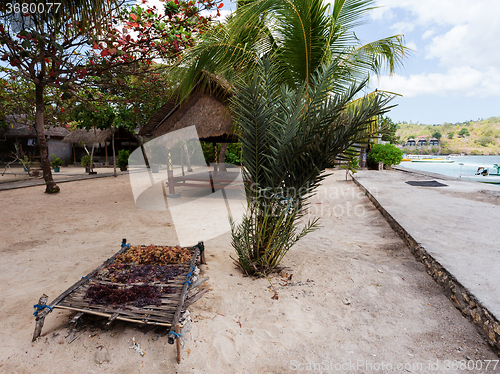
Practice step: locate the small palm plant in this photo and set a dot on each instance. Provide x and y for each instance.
(350, 162)
(289, 136)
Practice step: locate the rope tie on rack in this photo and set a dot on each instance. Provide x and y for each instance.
(177, 336)
(189, 275)
(39, 307)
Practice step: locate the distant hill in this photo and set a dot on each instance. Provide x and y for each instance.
(473, 137)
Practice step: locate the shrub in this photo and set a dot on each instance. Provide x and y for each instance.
(484, 140)
(450, 135)
(86, 161)
(386, 153)
(464, 132)
(122, 159)
(437, 135)
(351, 163)
(56, 161)
(233, 153)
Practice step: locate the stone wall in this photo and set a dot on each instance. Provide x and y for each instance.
(60, 149)
(453, 289)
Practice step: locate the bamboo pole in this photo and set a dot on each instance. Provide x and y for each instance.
(118, 318)
(84, 279)
(40, 319)
(183, 295)
(178, 342)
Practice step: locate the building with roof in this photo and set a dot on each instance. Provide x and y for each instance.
(20, 137)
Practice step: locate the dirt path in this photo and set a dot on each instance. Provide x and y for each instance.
(357, 302)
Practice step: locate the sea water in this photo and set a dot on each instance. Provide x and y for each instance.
(463, 165)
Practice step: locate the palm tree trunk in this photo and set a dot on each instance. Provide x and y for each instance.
(52, 187)
(113, 145)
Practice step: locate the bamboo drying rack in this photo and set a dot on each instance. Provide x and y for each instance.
(167, 314)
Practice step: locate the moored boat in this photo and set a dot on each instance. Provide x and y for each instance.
(434, 159)
(485, 175)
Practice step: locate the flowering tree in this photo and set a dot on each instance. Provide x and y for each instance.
(53, 47)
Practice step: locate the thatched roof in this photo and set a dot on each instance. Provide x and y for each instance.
(19, 127)
(88, 136)
(206, 107)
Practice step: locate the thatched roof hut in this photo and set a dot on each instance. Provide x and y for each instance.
(206, 107)
(20, 127)
(88, 137)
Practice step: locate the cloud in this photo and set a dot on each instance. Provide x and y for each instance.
(402, 27)
(469, 31)
(442, 12)
(412, 46)
(462, 37)
(459, 81)
(428, 34)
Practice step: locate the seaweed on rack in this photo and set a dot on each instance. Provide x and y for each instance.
(114, 295)
(154, 254)
(122, 273)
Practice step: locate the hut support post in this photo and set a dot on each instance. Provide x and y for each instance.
(106, 150)
(182, 161)
(170, 174)
(74, 154)
(214, 144)
(40, 321)
(186, 153)
(222, 157)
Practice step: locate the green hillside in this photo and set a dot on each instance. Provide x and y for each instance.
(474, 137)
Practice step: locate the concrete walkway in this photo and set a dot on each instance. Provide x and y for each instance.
(455, 227)
(17, 178)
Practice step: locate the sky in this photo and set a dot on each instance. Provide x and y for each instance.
(453, 74)
(453, 71)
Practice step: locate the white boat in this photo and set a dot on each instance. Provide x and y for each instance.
(433, 159)
(485, 175)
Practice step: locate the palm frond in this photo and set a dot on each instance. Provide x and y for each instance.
(289, 136)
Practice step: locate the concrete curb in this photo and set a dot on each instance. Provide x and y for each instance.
(461, 297)
(41, 182)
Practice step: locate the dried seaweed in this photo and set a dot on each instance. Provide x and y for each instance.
(153, 254)
(138, 295)
(123, 273)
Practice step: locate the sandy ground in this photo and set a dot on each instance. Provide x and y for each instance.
(358, 302)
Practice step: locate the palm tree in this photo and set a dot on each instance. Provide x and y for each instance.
(300, 35)
(289, 136)
(298, 70)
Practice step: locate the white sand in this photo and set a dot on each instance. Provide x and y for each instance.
(397, 314)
